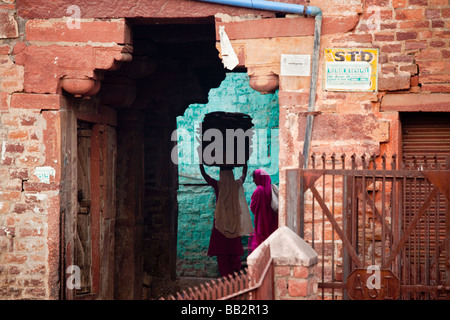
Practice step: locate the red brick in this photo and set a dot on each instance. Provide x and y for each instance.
(4, 207)
(21, 173)
(435, 78)
(391, 48)
(384, 37)
(15, 258)
(28, 120)
(32, 283)
(442, 34)
(424, 34)
(8, 25)
(388, 26)
(339, 24)
(406, 58)
(4, 101)
(7, 232)
(428, 54)
(436, 87)
(433, 13)
(414, 24)
(10, 120)
(30, 232)
(14, 270)
(437, 24)
(96, 31)
(416, 45)
(19, 47)
(11, 85)
(412, 69)
(399, 3)
(281, 287)
(282, 271)
(36, 292)
(427, 67)
(380, 3)
(18, 135)
(361, 38)
(4, 49)
(397, 82)
(437, 44)
(301, 272)
(445, 54)
(20, 208)
(409, 14)
(388, 68)
(14, 147)
(446, 13)
(298, 287)
(418, 2)
(37, 101)
(437, 2)
(406, 35)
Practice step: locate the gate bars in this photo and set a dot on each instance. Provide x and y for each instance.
(370, 211)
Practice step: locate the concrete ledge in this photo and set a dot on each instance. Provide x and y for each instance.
(287, 248)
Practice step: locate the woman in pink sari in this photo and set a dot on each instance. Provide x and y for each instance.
(266, 220)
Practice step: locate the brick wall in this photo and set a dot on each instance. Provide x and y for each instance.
(34, 125)
(23, 210)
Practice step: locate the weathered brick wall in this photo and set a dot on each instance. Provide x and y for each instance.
(36, 145)
(23, 210)
(196, 203)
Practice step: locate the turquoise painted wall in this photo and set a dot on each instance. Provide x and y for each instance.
(196, 200)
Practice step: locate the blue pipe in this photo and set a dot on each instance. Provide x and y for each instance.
(294, 9)
(271, 6)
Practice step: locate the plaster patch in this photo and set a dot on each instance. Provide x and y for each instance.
(3, 150)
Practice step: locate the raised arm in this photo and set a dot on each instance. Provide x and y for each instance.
(244, 173)
(205, 176)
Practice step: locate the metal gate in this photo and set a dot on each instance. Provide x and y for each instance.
(381, 227)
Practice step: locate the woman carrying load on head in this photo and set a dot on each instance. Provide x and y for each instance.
(231, 218)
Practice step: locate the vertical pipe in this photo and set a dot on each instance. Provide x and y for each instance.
(312, 88)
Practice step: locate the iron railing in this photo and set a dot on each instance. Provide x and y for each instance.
(252, 283)
(368, 211)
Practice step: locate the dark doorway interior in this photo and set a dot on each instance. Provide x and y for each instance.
(173, 65)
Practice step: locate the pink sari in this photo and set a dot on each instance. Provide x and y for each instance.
(266, 220)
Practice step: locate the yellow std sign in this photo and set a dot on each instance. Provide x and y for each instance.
(351, 69)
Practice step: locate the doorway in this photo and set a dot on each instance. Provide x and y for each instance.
(174, 65)
(196, 199)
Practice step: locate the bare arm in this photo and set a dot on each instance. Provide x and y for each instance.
(244, 173)
(205, 176)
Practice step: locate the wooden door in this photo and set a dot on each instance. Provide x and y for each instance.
(83, 240)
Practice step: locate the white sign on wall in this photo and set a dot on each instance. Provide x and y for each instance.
(295, 65)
